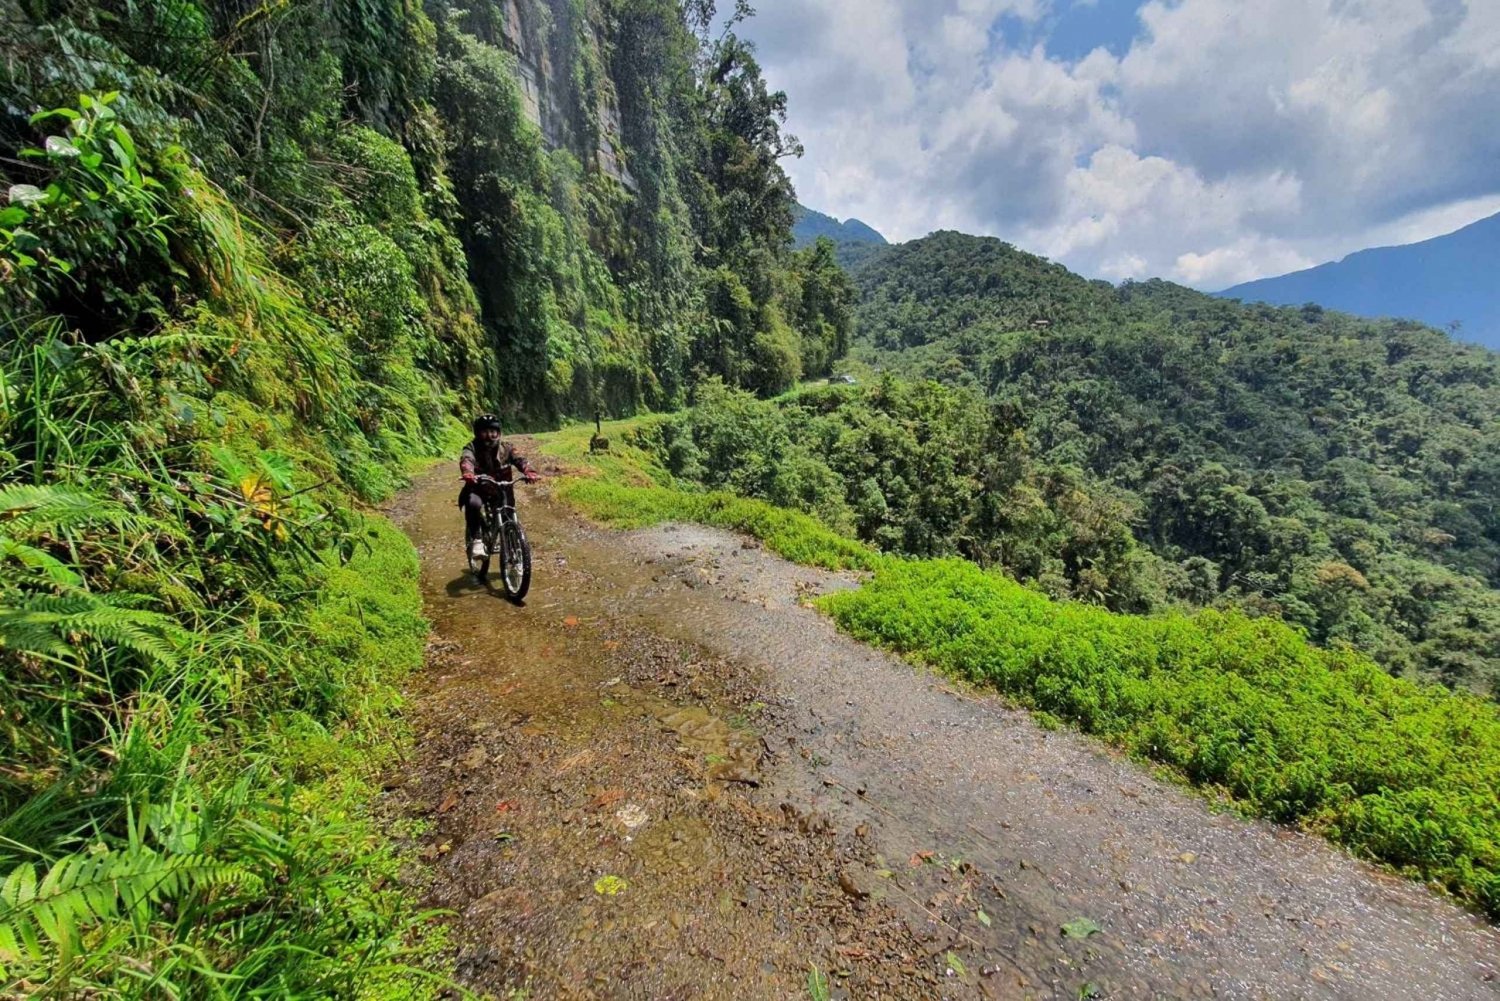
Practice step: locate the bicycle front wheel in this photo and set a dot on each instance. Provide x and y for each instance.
(515, 569)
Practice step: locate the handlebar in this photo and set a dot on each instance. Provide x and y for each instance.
(483, 478)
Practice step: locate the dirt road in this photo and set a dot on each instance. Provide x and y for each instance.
(663, 777)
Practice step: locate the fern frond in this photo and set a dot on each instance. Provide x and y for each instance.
(82, 889)
(51, 625)
(24, 505)
(46, 567)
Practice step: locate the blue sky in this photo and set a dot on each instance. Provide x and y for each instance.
(1206, 141)
(1071, 30)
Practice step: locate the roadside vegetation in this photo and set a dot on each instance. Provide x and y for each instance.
(201, 638)
(1245, 708)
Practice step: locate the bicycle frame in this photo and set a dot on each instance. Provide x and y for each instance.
(502, 536)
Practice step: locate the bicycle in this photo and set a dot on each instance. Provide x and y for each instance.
(501, 533)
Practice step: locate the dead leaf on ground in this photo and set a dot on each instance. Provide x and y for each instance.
(448, 803)
(575, 761)
(570, 621)
(504, 806)
(607, 797)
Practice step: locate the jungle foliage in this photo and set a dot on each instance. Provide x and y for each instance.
(618, 292)
(254, 258)
(1335, 472)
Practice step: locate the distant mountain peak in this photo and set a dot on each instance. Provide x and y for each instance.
(810, 224)
(1447, 281)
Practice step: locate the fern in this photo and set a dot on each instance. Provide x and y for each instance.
(25, 508)
(43, 567)
(54, 626)
(81, 889)
(30, 514)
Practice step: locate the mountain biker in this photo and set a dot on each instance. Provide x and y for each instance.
(485, 456)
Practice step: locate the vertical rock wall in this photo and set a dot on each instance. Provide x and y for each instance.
(532, 34)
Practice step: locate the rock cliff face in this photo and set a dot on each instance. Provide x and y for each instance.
(546, 36)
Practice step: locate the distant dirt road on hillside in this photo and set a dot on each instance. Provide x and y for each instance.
(663, 777)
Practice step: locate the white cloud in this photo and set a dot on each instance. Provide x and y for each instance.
(1230, 141)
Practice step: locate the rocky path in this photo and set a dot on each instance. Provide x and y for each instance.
(663, 777)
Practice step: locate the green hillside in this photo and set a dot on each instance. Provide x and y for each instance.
(853, 240)
(1337, 472)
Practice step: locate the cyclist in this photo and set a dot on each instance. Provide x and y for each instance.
(485, 456)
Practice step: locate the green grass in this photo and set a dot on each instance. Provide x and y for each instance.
(200, 653)
(626, 487)
(623, 461)
(264, 778)
(1402, 773)
(799, 537)
(1246, 709)
(201, 637)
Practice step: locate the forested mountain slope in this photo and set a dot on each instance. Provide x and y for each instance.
(1447, 280)
(1336, 471)
(852, 239)
(255, 259)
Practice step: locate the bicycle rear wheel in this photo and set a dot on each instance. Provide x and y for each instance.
(515, 555)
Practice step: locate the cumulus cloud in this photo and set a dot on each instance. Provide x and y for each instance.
(1225, 142)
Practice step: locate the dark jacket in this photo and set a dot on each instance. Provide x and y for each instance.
(479, 459)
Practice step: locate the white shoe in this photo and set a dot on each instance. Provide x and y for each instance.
(476, 549)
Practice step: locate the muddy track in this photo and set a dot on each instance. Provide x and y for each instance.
(663, 777)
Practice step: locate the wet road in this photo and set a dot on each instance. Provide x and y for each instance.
(777, 797)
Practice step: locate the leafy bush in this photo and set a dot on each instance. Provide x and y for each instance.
(920, 470)
(181, 580)
(1399, 772)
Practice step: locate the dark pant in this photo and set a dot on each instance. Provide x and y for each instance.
(473, 506)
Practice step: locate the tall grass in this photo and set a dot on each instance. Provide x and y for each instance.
(197, 687)
(200, 638)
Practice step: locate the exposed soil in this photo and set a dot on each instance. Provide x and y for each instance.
(664, 777)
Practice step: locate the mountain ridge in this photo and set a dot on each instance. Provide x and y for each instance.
(1446, 282)
(1267, 453)
(853, 239)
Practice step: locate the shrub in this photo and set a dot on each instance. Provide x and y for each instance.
(1400, 772)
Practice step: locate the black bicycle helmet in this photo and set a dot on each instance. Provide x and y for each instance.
(485, 422)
